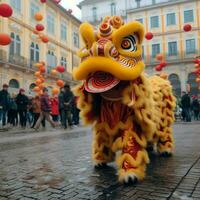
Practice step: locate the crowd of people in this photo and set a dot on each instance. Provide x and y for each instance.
(25, 111)
(188, 107)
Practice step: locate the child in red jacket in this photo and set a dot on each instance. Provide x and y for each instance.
(55, 108)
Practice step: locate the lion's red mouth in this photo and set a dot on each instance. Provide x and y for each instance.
(99, 82)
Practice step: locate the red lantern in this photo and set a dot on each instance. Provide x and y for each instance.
(39, 27)
(60, 69)
(187, 27)
(159, 57)
(36, 89)
(54, 72)
(37, 74)
(43, 1)
(60, 83)
(38, 82)
(163, 64)
(44, 39)
(38, 16)
(5, 10)
(55, 91)
(197, 61)
(5, 39)
(149, 35)
(42, 69)
(158, 68)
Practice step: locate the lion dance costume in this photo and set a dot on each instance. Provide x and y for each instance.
(129, 111)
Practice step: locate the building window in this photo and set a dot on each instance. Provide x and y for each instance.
(172, 48)
(16, 5)
(193, 84)
(34, 52)
(113, 9)
(153, 2)
(140, 20)
(63, 62)
(76, 39)
(33, 9)
(51, 60)
(138, 3)
(143, 52)
(176, 84)
(15, 46)
(155, 50)
(171, 19)
(63, 31)
(50, 23)
(94, 13)
(13, 83)
(154, 22)
(188, 16)
(190, 46)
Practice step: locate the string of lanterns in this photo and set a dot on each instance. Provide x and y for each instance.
(6, 12)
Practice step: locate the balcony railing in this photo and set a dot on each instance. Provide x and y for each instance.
(179, 57)
(23, 63)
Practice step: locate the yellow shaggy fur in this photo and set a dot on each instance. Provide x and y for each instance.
(148, 102)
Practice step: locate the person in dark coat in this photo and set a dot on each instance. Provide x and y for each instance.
(195, 107)
(22, 102)
(61, 103)
(12, 112)
(68, 104)
(45, 109)
(4, 103)
(75, 112)
(186, 105)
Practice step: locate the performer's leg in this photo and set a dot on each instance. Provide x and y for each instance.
(101, 150)
(166, 142)
(134, 158)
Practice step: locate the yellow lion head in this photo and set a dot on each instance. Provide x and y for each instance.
(111, 54)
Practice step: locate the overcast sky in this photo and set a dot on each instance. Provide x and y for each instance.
(71, 4)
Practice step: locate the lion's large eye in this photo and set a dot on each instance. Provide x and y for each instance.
(129, 43)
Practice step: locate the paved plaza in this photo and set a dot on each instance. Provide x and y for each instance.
(57, 165)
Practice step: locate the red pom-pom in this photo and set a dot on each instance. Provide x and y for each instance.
(187, 27)
(5, 10)
(5, 39)
(158, 68)
(149, 36)
(43, 1)
(39, 27)
(60, 69)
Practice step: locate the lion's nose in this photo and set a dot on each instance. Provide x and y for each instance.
(104, 47)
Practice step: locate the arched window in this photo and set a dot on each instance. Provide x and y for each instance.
(193, 84)
(15, 46)
(34, 52)
(176, 84)
(13, 83)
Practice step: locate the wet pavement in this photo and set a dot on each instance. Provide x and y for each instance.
(57, 165)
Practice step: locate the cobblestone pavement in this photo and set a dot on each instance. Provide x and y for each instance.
(58, 166)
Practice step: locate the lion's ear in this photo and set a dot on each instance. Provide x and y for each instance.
(87, 32)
